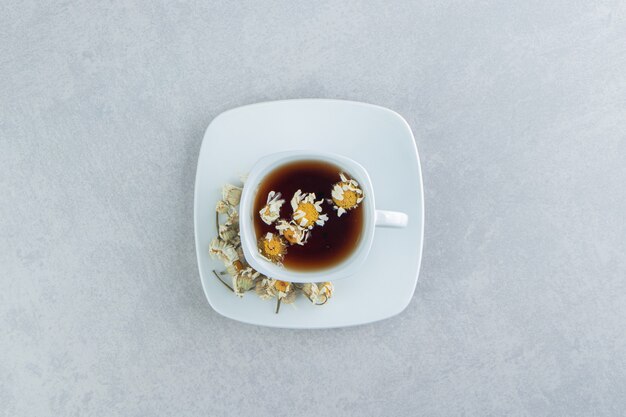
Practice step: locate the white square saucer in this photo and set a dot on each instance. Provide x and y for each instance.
(377, 138)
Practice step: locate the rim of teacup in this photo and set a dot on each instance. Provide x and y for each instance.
(344, 269)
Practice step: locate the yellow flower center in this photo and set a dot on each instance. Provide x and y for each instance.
(290, 236)
(281, 286)
(310, 212)
(238, 265)
(273, 248)
(349, 200)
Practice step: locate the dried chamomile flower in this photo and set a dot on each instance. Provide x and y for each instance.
(318, 293)
(326, 288)
(272, 247)
(282, 287)
(231, 194)
(292, 232)
(270, 213)
(264, 288)
(233, 218)
(223, 251)
(285, 291)
(306, 211)
(221, 207)
(229, 231)
(229, 234)
(267, 288)
(244, 280)
(346, 195)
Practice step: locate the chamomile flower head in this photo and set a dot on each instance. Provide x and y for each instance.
(271, 211)
(223, 251)
(285, 291)
(272, 247)
(231, 194)
(346, 195)
(292, 232)
(282, 288)
(233, 218)
(306, 211)
(264, 288)
(244, 280)
(229, 234)
(221, 207)
(326, 288)
(267, 288)
(319, 292)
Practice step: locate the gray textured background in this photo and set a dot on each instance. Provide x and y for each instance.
(520, 116)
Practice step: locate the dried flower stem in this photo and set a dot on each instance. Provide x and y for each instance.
(318, 304)
(220, 280)
(325, 301)
(217, 223)
(277, 305)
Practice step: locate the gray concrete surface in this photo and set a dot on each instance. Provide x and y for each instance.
(519, 109)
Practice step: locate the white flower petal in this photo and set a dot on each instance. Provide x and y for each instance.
(231, 194)
(295, 200)
(337, 192)
(223, 251)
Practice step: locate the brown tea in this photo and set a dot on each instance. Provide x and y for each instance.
(328, 244)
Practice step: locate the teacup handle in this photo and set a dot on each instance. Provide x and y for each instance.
(395, 219)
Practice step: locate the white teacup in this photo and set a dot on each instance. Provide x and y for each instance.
(371, 218)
